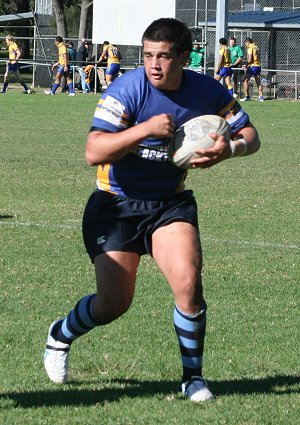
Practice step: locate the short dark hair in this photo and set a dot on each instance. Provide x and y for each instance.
(232, 38)
(59, 39)
(248, 40)
(223, 41)
(171, 30)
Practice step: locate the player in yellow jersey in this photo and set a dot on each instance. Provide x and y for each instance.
(112, 55)
(253, 69)
(63, 68)
(223, 69)
(14, 55)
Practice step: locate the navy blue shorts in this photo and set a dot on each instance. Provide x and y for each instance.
(225, 71)
(113, 69)
(13, 67)
(115, 223)
(253, 70)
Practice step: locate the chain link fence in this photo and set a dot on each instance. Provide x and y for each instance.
(280, 55)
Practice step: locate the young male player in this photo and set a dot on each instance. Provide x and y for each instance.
(141, 204)
(223, 69)
(63, 68)
(112, 55)
(14, 55)
(253, 69)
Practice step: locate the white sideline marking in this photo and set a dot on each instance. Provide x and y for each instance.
(45, 225)
(229, 241)
(259, 244)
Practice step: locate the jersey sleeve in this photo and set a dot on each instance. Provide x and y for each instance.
(115, 109)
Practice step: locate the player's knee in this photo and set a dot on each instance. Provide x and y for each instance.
(106, 311)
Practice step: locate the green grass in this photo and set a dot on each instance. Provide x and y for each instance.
(128, 372)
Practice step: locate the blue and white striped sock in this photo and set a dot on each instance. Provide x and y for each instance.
(77, 323)
(190, 330)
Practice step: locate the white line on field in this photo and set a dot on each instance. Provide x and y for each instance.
(74, 226)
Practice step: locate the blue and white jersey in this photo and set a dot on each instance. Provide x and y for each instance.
(147, 173)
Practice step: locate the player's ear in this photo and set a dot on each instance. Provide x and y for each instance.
(185, 57)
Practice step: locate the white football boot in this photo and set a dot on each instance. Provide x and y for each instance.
(196, 390)
(56, 359)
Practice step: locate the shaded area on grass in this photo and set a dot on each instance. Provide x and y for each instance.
(70, 396)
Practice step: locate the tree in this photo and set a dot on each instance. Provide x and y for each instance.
(84, 18)
(61, 23)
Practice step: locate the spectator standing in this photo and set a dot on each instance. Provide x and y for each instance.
(197, 57)
(223, 69)
(253, 69)
(236, 58)
(14, 55)
(81, 61)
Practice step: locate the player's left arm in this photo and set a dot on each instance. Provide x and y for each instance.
(18, 54)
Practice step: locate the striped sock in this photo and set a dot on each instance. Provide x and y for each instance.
(77, 323)
(190, 330)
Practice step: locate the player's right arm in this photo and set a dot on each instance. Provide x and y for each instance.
(105, 147)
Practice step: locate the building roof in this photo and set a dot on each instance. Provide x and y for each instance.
(16, 17)
(267, 20)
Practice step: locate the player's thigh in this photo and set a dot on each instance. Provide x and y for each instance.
(17, 75)
(177, 251)
(115, 279)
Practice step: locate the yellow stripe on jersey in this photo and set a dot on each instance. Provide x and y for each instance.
(103, 177)
(12, 51)
(227, 108)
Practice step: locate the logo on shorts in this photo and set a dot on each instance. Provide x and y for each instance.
(101, 240)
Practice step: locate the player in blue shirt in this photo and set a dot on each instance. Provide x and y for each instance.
(141, 204)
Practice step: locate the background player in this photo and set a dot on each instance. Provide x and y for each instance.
(112, 55)
(223, 69)
(14, 55)
(63, 68)
(253, 69)
(141, 204)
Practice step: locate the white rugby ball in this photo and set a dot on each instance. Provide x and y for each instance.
(193, 135)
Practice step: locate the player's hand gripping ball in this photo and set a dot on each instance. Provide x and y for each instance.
(193, 135)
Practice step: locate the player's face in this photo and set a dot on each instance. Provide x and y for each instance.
(163, 66)
(232, 43)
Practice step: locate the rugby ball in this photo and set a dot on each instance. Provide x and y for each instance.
(193, 135)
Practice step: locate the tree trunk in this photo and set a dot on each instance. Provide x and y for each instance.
(23, 6)
(85, 4)
(61, 23)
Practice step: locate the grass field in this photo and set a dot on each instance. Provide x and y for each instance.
(128, 372)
